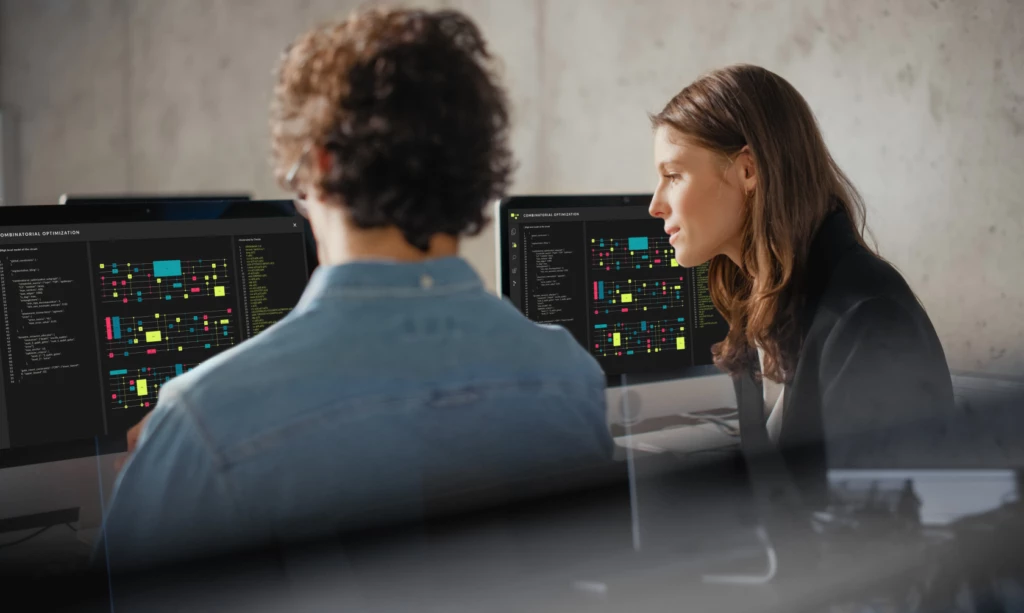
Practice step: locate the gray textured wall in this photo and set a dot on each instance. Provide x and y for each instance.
(921, 101)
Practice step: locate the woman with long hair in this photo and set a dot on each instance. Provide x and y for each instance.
(851, 370)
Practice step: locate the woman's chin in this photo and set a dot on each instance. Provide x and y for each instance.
(686, 259)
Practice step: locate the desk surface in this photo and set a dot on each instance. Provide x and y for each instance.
(642, 541)
(614, 547)
(682, 434)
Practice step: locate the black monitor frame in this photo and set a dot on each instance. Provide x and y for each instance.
(135, 200)
(73, 200)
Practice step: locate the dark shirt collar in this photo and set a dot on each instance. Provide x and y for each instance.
(833, 241)
(834, 238)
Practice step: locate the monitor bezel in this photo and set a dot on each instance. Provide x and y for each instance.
(197, 201)
(94, 199)
(538, 201)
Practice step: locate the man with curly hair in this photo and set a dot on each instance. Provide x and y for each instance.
(397, 377)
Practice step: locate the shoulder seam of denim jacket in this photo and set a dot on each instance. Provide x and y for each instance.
(204, 434)
(221, 463)
(238, 451)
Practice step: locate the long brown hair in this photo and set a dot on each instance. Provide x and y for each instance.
(798, 185)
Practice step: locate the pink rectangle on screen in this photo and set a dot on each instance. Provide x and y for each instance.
(151, 351)
(657, 261)
(625, 310)
(595, 290)
(110, 332)
(195, 290)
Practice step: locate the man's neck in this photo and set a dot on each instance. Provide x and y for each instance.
(386, 244)
(340, 241)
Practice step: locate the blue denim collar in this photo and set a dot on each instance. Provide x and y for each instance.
(388, 279)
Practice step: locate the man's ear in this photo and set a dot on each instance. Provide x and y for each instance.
(324, 160)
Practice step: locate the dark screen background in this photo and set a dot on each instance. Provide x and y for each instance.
(61, 398)
(604, 271)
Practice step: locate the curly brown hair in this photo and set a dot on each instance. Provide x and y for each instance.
(798, 185)
(407, 104)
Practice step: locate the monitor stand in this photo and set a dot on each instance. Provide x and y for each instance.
(39, 520)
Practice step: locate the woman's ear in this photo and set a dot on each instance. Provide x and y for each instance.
(747, 169)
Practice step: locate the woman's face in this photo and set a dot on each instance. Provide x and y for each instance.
(700, 197)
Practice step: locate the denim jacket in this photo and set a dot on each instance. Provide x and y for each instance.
(386, 384)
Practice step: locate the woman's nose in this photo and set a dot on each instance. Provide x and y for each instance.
(657, 207)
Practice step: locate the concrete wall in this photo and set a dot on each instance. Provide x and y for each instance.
(921, 101)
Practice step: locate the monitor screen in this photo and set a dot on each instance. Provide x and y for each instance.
(603, 268)
(101, 306)
(197, 200)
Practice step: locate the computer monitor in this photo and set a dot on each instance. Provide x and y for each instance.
(103, 305)
(140, 199)
(602, 267)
